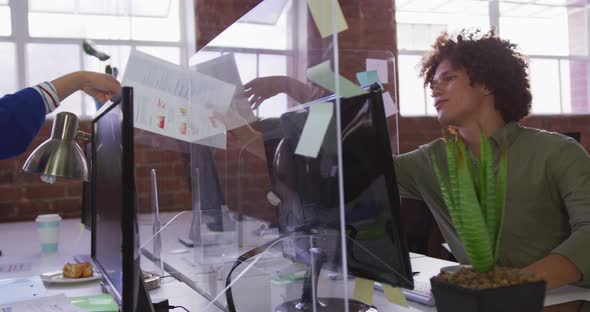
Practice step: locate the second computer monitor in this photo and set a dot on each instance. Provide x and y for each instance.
(308, 189)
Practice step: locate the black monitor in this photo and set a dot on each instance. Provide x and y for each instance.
(308, 190)
(114, 226)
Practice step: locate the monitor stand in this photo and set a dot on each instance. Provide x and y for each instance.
(309, 294)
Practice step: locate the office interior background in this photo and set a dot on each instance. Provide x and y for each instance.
(41, 40)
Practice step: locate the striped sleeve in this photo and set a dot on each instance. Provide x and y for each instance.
(49, 95)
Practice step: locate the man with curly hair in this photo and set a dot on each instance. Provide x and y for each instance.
(480, 82)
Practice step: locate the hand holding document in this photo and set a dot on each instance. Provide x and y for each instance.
(175, 101)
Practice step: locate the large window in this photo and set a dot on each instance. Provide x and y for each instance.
(41, 40)
(552, 33)
(257, 55)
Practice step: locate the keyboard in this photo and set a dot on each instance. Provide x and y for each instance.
(420, 294)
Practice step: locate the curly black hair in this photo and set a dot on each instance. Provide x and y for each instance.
(488, 60)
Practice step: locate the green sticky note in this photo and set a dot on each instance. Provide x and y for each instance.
(368, 78)
(323, 75)
(314, 131)
(98, 303)
(395, 295)
(322, 14)
(363, 290)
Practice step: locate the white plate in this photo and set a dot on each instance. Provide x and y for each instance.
(58, 278)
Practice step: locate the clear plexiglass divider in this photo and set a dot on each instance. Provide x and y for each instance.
(275, 186)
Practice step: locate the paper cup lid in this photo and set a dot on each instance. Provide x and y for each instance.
(48, 218)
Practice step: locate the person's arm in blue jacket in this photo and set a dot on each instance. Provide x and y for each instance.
(22, 114)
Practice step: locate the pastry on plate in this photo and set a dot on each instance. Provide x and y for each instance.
(77, 270)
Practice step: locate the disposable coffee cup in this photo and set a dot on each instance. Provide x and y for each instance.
(48, 228)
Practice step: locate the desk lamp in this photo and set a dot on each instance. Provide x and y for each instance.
(60, 155)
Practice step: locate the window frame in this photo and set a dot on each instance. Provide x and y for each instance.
(20, 37)
(494, 20)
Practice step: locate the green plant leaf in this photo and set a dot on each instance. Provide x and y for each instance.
(474, 233)
(445, 188)
(489, 200)
(501, 198)
(451, 149)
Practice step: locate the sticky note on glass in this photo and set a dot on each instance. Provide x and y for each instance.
(322, 14)
(323, 75)
(380, 66)
(363, 290)
(314, 131)
(367, 78)
(395, 295)
(390, 107)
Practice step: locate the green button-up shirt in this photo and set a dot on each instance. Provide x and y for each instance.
(547, 196)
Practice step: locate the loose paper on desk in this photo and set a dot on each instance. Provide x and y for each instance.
(363, 290)
(314, 131)
(566, 294)
(322, 14)
(323, 75)
(58, 303)
(17, 289)
(165, 96)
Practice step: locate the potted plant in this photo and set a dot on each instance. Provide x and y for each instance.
(475, 197)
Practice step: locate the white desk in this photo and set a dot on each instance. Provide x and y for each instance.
(20, 245)
(255, 291)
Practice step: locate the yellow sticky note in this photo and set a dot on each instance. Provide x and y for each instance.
(321, 11)
(395, 295)
(323, 75)
(363, 290)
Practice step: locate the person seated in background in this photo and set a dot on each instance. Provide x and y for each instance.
(22, 114)
(479, 82)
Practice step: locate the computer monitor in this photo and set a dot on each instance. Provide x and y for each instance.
(308, 189)
(114, 225)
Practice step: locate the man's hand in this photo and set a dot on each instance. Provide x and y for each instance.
(100, 86)
(260, 89)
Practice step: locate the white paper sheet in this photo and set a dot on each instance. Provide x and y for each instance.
(314, 131)
(566, 294)
(224, 68)
(58, 303)
(389, 103)
(17, 289)
(175, 101)
(380, 66)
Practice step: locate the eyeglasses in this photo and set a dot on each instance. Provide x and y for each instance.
(443, 81)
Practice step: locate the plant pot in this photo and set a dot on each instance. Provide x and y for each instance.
(527, 297)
